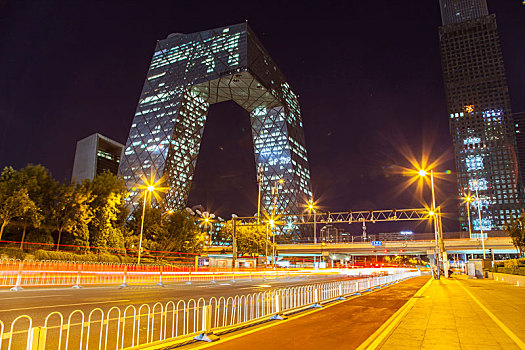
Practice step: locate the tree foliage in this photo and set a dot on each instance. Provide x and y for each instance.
(14, 199)
(92, 216)
(174, 231)
(72, 213)
(516, 231)
(107, 227)
(250, 239)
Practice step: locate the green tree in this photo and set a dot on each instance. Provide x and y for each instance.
(516, 231)
(152, 228)
(173, 231)
(41, 188)
(180, 233)
(251, 239)
(13, 204)
(71, 213)
(14, 198)
(107, 227)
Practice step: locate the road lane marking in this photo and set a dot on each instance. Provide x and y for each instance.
(65, 305)
(496, 320)
(42, 296)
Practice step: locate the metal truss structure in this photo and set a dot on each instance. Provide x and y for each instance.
(348, 217)
(190, 72)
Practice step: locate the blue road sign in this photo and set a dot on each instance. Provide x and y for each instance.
(377, 243)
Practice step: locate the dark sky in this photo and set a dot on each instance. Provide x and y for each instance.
(367, 73)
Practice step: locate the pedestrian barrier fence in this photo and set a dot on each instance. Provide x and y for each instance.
(17, 274)
(130, 326)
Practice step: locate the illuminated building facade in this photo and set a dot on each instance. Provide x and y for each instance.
(190, 72)
(478, 102)
(519, 124)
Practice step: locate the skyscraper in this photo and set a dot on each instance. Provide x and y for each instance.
(95, 154)
(479, 107)
(519, 123)
(190, 72)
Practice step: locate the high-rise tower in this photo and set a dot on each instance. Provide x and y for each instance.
(94, 155)
(188, 73)
(478, 103)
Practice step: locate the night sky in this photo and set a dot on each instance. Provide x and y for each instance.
(367, 73)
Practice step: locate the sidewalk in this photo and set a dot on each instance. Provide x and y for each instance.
(455, 313)
(460, 313)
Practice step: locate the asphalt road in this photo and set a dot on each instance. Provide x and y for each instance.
(39, 303)
(343, 326)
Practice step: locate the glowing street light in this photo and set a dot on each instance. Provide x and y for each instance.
(475, 183)
(271, 222)
(435, 215)
(467, 199)
(311, 207)
(260, 174)
(150, 187)
(206, 220)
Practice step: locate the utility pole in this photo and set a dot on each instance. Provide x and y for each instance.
(259, 182)
(234, 243)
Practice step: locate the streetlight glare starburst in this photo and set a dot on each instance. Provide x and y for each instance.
(467, 198)
(206, 220)
(418, 170)
(152, 187)
(310, 206)
(273, 220)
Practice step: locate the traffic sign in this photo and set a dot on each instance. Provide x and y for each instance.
(377, 243)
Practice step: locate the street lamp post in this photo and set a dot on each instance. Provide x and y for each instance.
(475, 183)
(207, 221)
(275, 192)
(149, 187)
(468, 199)
(234, 240)
(271, 222)
(259, 182)
(435, 215)
(266, 253)
(142, 222)
(312, 208)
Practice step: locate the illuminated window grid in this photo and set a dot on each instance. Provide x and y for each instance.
(190, 72)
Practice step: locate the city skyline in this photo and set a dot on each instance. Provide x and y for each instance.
(355, 102)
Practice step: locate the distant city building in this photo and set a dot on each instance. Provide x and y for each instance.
(190, 72)
(331, 234)
(393, 236)
(519, 123)
(478, 104)
(95, 154)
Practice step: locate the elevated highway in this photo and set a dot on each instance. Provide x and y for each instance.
(499, 245)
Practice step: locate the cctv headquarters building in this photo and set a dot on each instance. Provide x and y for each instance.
(188, 73)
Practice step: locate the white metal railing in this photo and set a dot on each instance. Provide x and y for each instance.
(119, 328)
(17, 274)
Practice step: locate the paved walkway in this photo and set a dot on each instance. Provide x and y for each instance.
(460, 313)
(455, 313)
